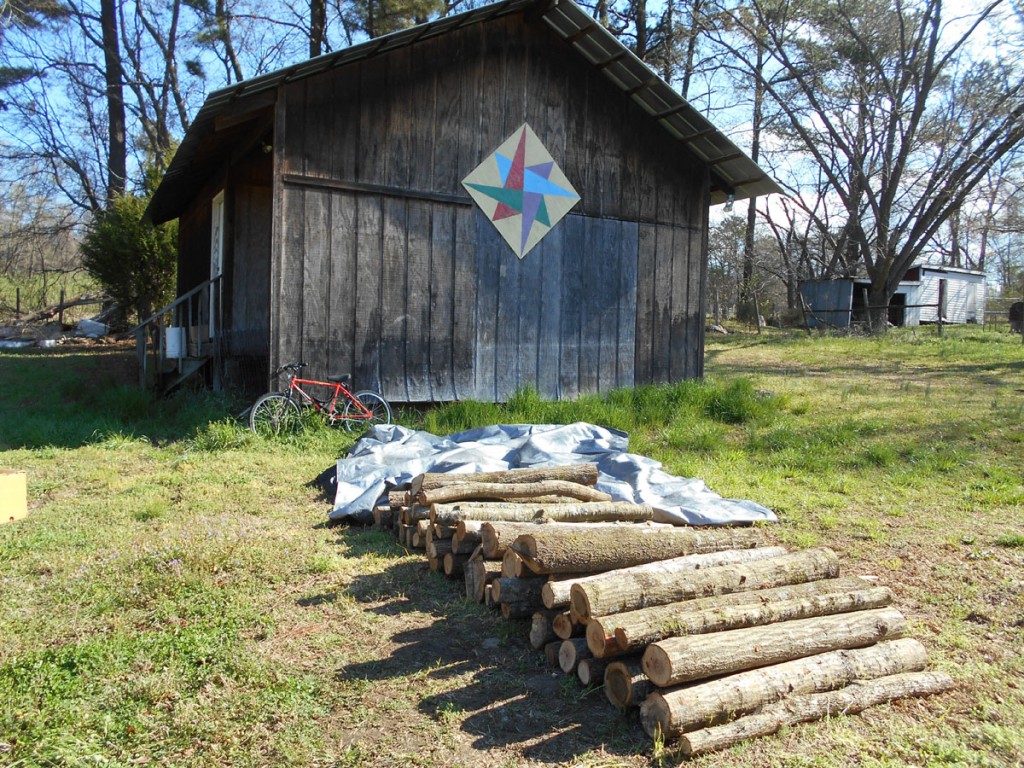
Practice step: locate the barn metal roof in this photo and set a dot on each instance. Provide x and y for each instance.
(732, 172)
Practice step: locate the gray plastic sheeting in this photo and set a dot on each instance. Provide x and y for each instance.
(389, 456)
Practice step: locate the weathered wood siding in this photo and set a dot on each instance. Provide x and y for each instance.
(387, 269)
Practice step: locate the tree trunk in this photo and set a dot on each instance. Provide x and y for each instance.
(555, 550)
(625, 683)
(571, 652)
(850, 700)
(675, 711)
(682, 659)
(583, 474)
(496, 536)
(117, 147)
(637, 629)
(317, 26)
(660, 583)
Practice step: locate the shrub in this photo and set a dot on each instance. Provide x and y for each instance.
(132, 259)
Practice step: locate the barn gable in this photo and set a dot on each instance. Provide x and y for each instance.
(353, 245)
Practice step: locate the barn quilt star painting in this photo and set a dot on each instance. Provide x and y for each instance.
(522, 190)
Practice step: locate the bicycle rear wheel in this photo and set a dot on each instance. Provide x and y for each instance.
(380, 411)
(275, 414)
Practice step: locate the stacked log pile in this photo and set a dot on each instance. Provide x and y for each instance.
(715, 636)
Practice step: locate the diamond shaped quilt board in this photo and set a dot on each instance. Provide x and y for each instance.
(522, 190)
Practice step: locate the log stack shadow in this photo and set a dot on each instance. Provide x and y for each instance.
(713, 635)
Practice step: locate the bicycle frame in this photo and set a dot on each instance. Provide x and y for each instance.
(331, 406)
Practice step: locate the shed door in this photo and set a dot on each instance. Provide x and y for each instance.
(216, 255)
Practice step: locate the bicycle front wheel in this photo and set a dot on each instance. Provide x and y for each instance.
(275, 414)
(380, 411)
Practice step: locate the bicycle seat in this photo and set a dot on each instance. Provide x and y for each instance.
(340, 378)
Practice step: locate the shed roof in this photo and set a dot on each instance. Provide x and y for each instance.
(732, 172)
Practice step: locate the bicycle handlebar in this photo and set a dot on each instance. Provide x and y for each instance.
(290, 367)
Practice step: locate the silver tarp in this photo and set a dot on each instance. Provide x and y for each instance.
(389, 456)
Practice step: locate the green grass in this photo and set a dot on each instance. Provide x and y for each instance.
(174, 596)
(37, 293)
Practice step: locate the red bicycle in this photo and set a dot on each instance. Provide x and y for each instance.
(280, 412)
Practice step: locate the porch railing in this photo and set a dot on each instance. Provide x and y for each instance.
(182, 336)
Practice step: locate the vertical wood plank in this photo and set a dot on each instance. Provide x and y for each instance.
(625, 375)
(661, 328)
(277, 236)
(549, 289)
(646, 259)
(702, 312)
(341, 341)
(343, 135)
(417, 302)
(394, 377)
(316, 281)
(679, 322)
(449, 115)
(293, 153)
(610, 238)
(573, 246)
(506, 362)
(371, 161)
(442, 287)
(530, 305)
(319, 126)
(464, 303)
(489, 248)
(368, 276)
(593, 264)
(292, 305)
(401, 121)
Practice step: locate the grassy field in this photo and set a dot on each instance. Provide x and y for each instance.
(176, 598)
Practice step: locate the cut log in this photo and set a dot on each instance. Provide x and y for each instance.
(510, 491)
(551, 652)
(625, 683)
(455, 565)
(489, 600)
(541, 632)
(672, 712)
(496, 535)
(564, 627)
(397, 499)
(584, 474)
(519, 609)
(636, 629)
(466, 537)
(382, 517)
(591, 671)
(563, 510)
(512, 565)
(558, 550)
(444, 531)
(659, 584)
(571, 652)
(855, 698)
(414, 513)
(436, 564)
(438, 548)
(514, 590)
(681, 659)
(478, 574)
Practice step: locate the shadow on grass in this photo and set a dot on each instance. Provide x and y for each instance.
(514, 698)
(80, 396)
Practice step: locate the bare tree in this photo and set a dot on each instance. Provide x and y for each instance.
(896, 107)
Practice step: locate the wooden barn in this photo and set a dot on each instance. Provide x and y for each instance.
(324, 216)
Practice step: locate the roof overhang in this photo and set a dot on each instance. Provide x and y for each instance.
(231, 109)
